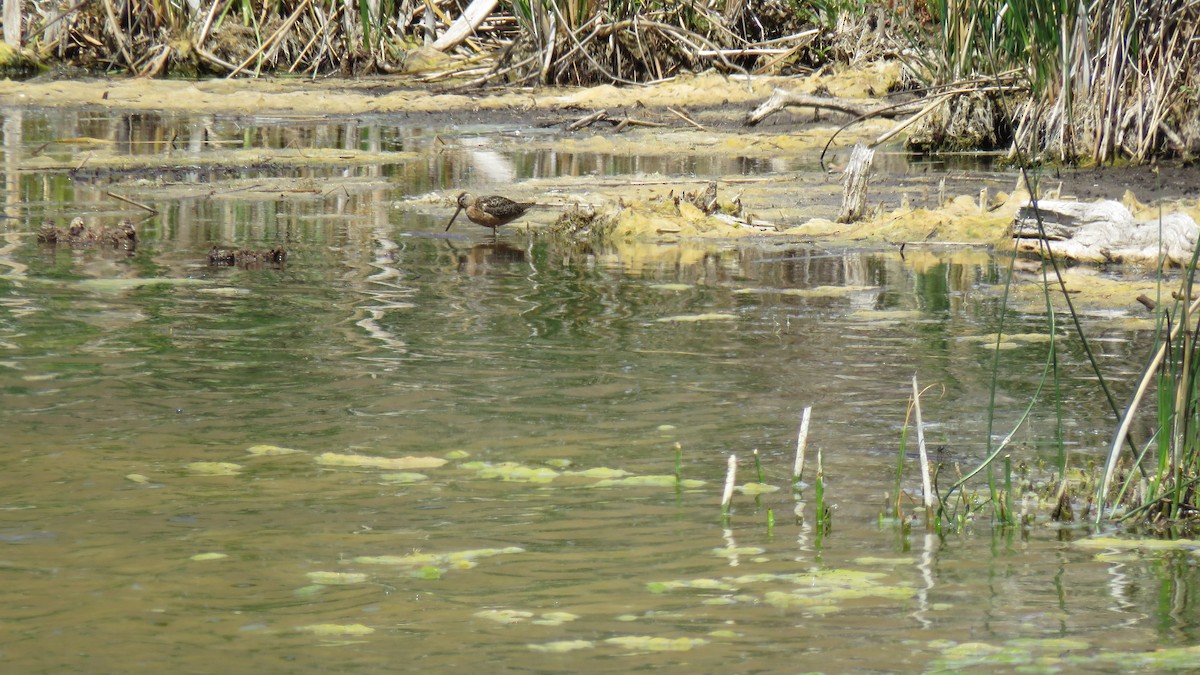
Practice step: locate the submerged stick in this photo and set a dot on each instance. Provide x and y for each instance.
(801, 443)
(683, 116)
(587, 120)
(1114, 450)
(730, 475)
(127, 200)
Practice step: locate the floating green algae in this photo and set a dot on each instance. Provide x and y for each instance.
(598, 472)
(511, 471)
(1032, 655)
(648, 481)
(693, 318)
(1114, 543)
(371, 461)
(433, 565)
(656, 644)
(271, 451)
(886, 316)
(555, 618)
(214, 468)
(756, 488)
(883, 562)
(562, 646)
(403, 477)
(336, 629)
(1166, 658)
(1007, 340)
(813, 590)
(504, 616)
(457, 454)
(510, 616)
(813, 604)
(336, 578)
(815, 292)
(735, 551)
(118, 285)
(201, 557)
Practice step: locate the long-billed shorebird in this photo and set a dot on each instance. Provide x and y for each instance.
(491, 211)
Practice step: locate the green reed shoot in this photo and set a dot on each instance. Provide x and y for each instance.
(758, 467)
(678, 462)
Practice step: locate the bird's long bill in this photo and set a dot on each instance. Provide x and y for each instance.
(456, 212)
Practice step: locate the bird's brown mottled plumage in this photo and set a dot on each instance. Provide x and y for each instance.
(490, 211)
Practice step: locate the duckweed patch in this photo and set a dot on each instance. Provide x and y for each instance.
(271, 451)
(1167, 658)
(434, 565)
(1026, 654)
(511, 616)
(648, 481)
(336, 578)
(817, 590)
(336, 629)
(214, 468)
(598, 472)
(504, 616)
(735, 551)
(815, 292)
(1007, 340)
(692, 318)
(1117, 544)
(120, 285)
(374, 462)
(511, 471)
(555, 618)
(403, 477)
(656, 644)
(756, 488)
(562, 646)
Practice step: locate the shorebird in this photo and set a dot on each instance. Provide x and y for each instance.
(491, 211)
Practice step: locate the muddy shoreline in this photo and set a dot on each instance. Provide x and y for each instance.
(697, 115)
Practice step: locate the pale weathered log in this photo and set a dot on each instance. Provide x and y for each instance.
(12, 23)
(465, 25)
(857, 107)
(1103, 231)
(854, 184)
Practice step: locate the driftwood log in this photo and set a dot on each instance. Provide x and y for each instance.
(856, 107)
(1102, 231)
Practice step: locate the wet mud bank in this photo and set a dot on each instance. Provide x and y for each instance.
(778, 178)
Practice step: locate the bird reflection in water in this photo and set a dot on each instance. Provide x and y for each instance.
(479, 258)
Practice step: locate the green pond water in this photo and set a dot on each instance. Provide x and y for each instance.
(412, 451)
